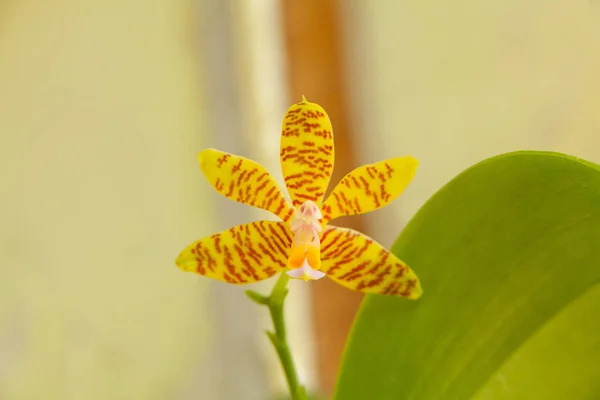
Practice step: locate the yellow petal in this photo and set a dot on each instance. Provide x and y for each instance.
(244, 180)
(369, 187)
(306, 152)
(243, 254)
(359, 263)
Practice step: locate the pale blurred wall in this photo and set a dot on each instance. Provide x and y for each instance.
(453, 83)
(262, 84)
(235, 36)
(101, 118)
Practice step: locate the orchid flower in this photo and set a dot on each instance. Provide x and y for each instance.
(304, 244)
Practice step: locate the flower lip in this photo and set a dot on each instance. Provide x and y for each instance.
(305, 272)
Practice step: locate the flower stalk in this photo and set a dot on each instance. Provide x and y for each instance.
(278, 337)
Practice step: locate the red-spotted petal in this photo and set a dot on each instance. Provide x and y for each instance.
(243, 254)
(369, 187)
(357, 262)
(306, 152)
(244, 180)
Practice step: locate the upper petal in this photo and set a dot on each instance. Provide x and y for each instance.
(243, 254)
(245, 181)
(369, 187)
(357, 262)
(306, 152)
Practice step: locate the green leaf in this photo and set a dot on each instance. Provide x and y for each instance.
(509, 257)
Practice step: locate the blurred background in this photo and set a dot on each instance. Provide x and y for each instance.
(104, 106)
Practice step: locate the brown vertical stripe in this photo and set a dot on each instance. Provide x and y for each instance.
(316, 70)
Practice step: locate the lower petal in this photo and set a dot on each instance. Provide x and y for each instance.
(357, 262)
(243, 254)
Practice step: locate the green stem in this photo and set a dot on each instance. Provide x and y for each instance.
(275, 304)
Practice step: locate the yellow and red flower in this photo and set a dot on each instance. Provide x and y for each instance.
(304, 244)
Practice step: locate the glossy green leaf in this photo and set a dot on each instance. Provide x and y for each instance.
(509, 257)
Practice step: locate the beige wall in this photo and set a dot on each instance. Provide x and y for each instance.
(100, 122)
(453, 83)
